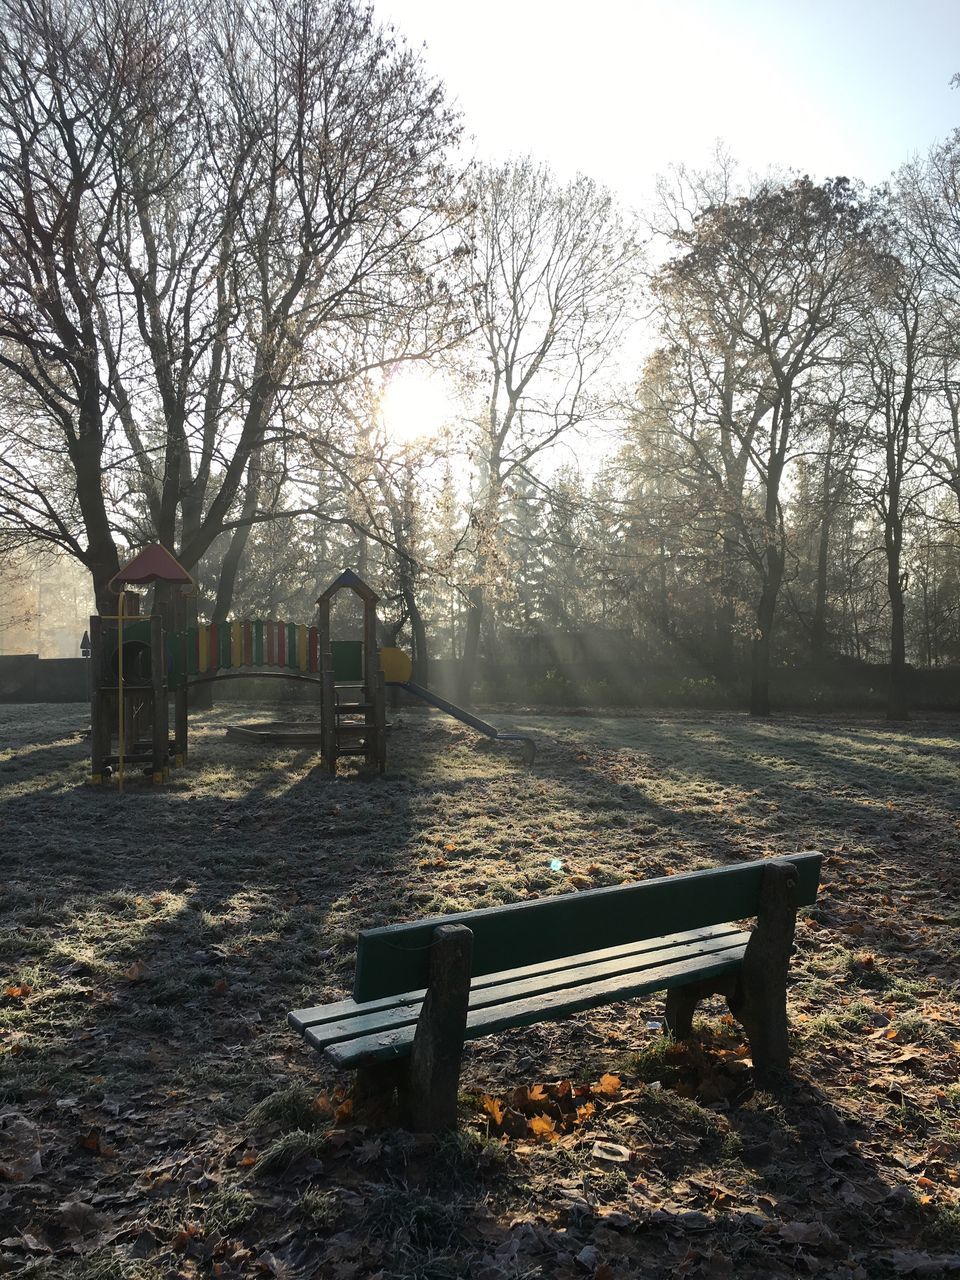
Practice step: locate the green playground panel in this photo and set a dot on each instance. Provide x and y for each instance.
(347, 659)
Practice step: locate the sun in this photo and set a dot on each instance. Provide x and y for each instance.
(417, 405)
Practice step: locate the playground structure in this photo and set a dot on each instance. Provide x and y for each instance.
(137, 666)
(130, 682)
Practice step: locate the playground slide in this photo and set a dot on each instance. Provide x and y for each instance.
(467, 717)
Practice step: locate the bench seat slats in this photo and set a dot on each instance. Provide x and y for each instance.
(300, 1019)
(396, 1042)
(617, 974)
(626, 970)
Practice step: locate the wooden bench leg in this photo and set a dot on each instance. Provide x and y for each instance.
(433, 1082)
(682, 1003)
(760, 999)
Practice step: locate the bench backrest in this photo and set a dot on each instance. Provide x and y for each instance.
(395, 959)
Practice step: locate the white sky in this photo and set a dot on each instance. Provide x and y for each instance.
(621, 90)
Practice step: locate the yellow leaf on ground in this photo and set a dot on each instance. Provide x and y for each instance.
(607, 1085)
(493, 1108)
(542, 1127)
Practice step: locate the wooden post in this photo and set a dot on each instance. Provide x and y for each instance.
(328, 715)
(158, 689)
(180, 723)
(99, 732)
(377, 722)
(434, 1074)
(760, 999)
(328, 700)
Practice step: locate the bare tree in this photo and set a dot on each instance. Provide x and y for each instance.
(207, 210)
(551, 279)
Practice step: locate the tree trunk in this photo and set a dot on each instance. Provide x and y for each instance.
(762, 643)
(101, 559)
(723, 644)
(230, 567)
(818, 629)
(471, 644)
(897, 702)
(421, 650)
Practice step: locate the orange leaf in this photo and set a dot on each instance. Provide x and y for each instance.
(247, 1159)
(134, 972)
(344, 1111)
(19, 992)
(493, 1108)
(585, 1112)
(891, 1033)
(926, 1182)
(607, 1086)
(542, 1127)
(538, 1093)
(184, 1236)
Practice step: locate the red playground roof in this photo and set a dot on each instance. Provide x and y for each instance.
(153, 564)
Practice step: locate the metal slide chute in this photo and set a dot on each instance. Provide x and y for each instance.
(467, 717)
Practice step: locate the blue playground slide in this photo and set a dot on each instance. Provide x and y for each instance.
(467, 717)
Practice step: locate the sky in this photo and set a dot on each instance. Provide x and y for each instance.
(621, 90)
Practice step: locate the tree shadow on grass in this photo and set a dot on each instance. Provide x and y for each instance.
(833, 792)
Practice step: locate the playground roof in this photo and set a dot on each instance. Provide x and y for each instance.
(153, 564)
(349, 579)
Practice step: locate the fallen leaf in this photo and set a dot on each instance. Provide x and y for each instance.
(493, 1107)
(805, 1232)
(185, 1235)
(542, 1127)
(607, 1086)
(612, 1152)
(21, 1169)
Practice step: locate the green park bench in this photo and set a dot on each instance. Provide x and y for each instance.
(421, 989)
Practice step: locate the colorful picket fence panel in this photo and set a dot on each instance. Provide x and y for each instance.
(212, 647)
(259, 643)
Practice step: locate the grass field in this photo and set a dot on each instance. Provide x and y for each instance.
(158, 1118)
